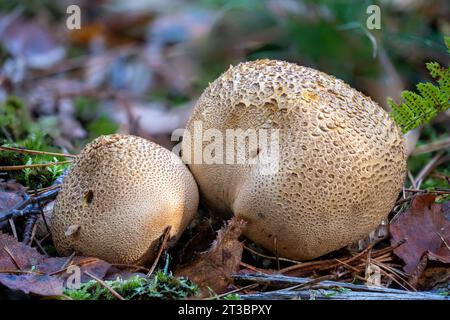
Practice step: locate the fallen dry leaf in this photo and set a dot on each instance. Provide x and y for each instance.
(11, 193)
(214, 267)
(42, 285)
(24, 268)
(23, 256)
(58, 266)
(426, 229)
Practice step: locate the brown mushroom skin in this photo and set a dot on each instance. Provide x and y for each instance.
(342, 160)
(118, 198)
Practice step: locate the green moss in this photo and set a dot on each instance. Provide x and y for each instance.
(160, 286)
(34, 178)
(17, 129)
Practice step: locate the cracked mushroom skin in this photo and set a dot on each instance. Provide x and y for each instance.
(341, 160)
(119, 197)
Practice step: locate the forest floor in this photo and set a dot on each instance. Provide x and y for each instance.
(140, 72)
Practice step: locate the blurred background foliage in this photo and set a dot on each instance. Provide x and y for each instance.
(138, 66)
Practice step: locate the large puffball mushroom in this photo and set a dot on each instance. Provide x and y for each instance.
(338, 171)
(119, 197)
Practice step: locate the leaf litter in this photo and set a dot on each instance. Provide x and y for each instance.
(426, 229)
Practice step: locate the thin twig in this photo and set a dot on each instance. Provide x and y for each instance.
(165, 238)
(310, 283)
(440, 175)
(400, 273)
(33, 233)
(411, 179)
(44, 238)
(131, 266)
(421, 191)
(393, 277)
(437, 191)
(348, 266)
(105, 285)
(12, 258)
(66, 264)
(22, 272)
(277, 256)
(40, 247)
(431, 147)
(269, 257)
(437, 160)
(27, 151)
(250, 286)
(376, 254)
(401, 201)
(309, 264)
(35, 165)
(69, 260)
(443, 240)
(248, 266)
(52, 187)
(13, 228)
(328, 264)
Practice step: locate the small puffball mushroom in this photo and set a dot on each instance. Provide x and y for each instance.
(341, 160)
(119, 197)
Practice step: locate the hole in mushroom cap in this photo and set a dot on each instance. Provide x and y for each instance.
(254, 153)
(88, 197)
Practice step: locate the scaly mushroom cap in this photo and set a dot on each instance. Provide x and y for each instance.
(117, 200)
(341, 157)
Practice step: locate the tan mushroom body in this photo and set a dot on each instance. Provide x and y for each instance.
(117, 200)
(341, 158)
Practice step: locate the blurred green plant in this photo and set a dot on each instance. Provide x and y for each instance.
(439, 178)
(14, 119)
(101, 126)
(97, 123)
(327, 35)
(31, 8)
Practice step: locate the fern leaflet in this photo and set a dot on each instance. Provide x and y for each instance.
(421, 107)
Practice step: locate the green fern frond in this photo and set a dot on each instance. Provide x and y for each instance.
(421, 107)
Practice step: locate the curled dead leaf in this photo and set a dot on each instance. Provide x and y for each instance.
(214, 267)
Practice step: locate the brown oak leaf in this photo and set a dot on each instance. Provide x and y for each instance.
(426, 229)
